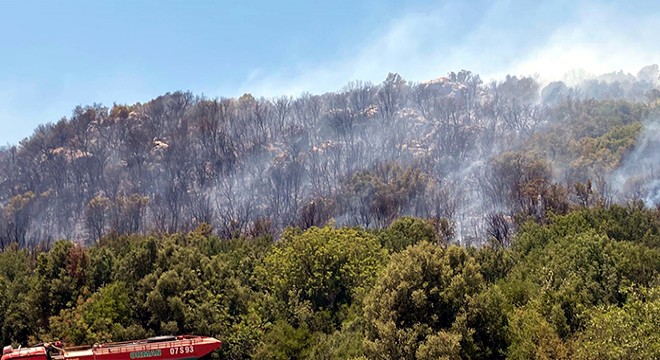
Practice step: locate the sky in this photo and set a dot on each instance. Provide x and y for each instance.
(56, 55)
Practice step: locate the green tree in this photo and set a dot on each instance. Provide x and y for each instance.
(406, 231)
(532, 337)
(422, 292)
(580, 261)
(628, 332)
(344, 343)
(102, 317)
(18, 319)
(320, 272)
(485, 325)
(440, 346)
(62, 275)
(102, 263)
(284, 342)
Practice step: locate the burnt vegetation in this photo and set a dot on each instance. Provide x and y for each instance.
(453, 148)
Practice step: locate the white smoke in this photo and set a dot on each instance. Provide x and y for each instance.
(638, 177)
(492, 39)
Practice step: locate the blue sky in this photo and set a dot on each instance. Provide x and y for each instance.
(56, 55)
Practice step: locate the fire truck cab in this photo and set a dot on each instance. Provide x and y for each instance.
(31, 353)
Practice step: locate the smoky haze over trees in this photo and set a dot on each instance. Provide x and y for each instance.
(473, 156)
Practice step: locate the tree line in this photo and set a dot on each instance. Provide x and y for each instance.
(583, 285)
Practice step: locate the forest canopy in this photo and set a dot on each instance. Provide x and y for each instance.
(581, 286)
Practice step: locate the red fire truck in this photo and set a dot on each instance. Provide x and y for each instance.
(185, 347)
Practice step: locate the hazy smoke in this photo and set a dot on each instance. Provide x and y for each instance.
(638, 177)
(492, 39)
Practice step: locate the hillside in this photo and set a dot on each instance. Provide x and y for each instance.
(476, 156)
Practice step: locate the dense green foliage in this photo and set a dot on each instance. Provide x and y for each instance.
(582, 285)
